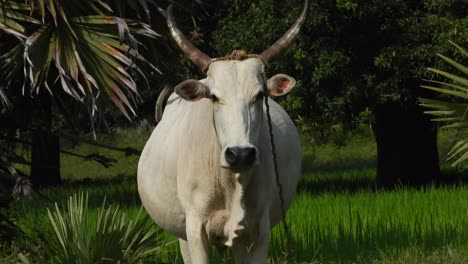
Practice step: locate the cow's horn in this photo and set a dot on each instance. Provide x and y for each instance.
(284, 41)
(194, 54)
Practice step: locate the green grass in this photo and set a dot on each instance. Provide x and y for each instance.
(345, 150)
(357, 227)
(74, 168)
(358, 149)
(338, 215)
(341, 226)
(77, 169)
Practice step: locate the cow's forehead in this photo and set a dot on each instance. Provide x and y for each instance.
(235, 79)
(236, 69)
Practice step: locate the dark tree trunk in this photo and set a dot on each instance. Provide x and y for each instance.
(45, 154)
(45, 159)
(406, 146)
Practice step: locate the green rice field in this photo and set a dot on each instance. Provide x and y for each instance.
(338, 215)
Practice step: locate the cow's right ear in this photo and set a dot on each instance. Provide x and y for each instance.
(192, 90)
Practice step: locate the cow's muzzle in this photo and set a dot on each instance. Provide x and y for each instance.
(240, 157)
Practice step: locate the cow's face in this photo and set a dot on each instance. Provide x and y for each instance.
(236, 89)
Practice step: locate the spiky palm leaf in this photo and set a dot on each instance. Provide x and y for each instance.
(77, 46)
(10, 13)
(453, 114)
(111, 237)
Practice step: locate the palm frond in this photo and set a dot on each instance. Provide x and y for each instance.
(452, 114)
(110, 237)
(79, 47)
(12, 15)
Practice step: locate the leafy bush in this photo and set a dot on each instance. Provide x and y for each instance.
(109, 237)
(350, 55)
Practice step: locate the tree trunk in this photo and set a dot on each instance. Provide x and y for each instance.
(45, 159)
(406, 146)
(45, 153)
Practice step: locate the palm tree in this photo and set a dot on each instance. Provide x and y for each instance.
(77, 46)
(83, 49)
(453, 113)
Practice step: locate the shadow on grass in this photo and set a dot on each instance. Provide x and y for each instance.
(123, 189)
(363, 180)
(120, 190)
(318, 183)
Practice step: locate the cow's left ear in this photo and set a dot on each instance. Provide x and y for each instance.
(192, 90)
(280, 84)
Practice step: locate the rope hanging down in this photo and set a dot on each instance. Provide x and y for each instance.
(289, 253)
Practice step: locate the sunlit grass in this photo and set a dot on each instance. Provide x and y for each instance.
(352, 226)
(347, 226)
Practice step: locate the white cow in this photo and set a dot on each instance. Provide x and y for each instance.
(206, 173)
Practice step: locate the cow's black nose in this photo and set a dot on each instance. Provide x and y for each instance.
(238, 157)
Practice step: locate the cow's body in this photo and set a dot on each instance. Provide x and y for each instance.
(207, 174)
(180, 177)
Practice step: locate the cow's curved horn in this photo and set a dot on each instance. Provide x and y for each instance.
(284, 41)
(194, 54)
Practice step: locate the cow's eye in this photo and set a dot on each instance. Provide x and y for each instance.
(260, 96)
(214, 99)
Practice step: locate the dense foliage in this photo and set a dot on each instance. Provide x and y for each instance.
(351, 54)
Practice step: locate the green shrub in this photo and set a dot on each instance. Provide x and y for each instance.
(106, 237)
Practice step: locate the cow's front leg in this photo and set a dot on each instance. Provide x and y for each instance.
(184, 250)
(253, 249)
(197, 239)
